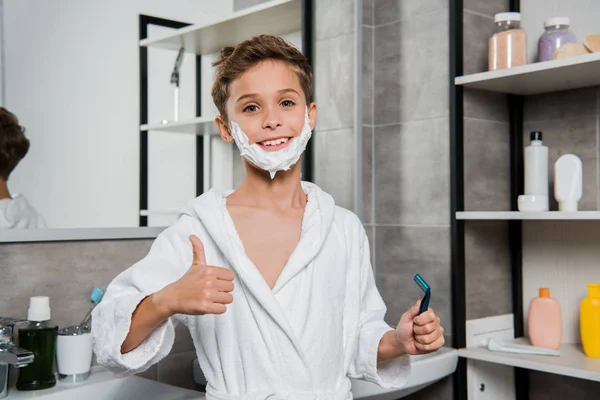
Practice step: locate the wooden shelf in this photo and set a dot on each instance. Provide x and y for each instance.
(518, 215)
(276, 17)
(537, 78)
(571, 362)
(197, 126)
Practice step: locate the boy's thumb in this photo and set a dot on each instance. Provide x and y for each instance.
(198, 250)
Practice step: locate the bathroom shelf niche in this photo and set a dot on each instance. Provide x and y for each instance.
(276, 17)
(519, 215)
(197, 126)
(571, 362)
(536, 78)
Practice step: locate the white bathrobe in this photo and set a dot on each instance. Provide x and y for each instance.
(17, 213)
(320, 325)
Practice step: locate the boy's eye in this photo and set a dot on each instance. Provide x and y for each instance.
(251, 108)
(287, 103)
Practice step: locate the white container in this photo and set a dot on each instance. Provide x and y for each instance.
(568, 177)
(536, 168)
(74, 356)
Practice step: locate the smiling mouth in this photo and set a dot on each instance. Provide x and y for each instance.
(275, 144)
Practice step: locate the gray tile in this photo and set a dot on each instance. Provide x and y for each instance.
(367, 12)
(334, 168)
(543, 386)
(183, 340)
(571, 136)
(441, 390)
(334, 82)
(64, 271)
(239, 170)
(487, 269)
(367, 174)
(569, 104)
(411, 173)
(411, 69)
(368, 76)
(150, 373)
(334, 18)
(477, 30)
(487, 7)
(177, 370)
(386, 11)
(401, 253)
(485, 105)
(486, 165)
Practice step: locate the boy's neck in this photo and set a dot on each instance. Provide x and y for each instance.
(4, 193)
(282, 192)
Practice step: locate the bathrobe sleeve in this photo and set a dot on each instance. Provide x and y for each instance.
(166, 262)
(372, 327)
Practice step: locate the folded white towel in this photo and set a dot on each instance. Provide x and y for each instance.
(510, 347)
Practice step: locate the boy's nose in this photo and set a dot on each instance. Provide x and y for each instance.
(272, 120)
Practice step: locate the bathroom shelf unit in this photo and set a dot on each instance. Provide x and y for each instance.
(523, 215)
(197, 126)
(537, 78)
(571, 362)
(276, 17)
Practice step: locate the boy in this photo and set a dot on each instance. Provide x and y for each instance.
(280, 296)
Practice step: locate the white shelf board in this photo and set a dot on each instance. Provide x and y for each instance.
(196, 126)
(543, 77)
(276, 17)
(520, 215)
(571, 362)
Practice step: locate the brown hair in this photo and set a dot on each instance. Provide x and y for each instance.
(234, 61)
(13, 143)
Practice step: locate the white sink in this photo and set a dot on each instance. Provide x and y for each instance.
(425, 370)
(101, 385)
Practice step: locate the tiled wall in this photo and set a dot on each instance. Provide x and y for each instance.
(67, 271)
(486, 171)
(406, 155)
(335, 90)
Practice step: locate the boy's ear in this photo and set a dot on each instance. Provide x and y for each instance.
(223, 128)
(312, 115)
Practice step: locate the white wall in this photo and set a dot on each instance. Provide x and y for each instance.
(71, 72)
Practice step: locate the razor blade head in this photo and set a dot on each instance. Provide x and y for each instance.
(421, 283)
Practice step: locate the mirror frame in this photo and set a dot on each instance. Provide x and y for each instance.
(78, 234)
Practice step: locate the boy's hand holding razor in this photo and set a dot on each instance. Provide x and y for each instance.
(419, 330)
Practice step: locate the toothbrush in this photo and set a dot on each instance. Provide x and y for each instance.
(95, 298)
(426, 289)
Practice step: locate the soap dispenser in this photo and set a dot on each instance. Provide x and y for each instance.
(38, 335)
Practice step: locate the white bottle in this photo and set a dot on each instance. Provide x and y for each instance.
(568, 182)
(536, 169)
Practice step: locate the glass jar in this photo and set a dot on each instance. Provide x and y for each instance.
(557, 34)
(508, 44)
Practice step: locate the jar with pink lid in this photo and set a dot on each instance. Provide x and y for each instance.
(508, 44)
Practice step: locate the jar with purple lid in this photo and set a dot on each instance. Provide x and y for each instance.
(557, 34)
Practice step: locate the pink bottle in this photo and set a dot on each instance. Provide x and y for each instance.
(545, 321)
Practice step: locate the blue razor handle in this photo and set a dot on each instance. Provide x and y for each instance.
(426, 289)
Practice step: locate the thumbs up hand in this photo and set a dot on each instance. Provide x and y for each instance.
(203, 289)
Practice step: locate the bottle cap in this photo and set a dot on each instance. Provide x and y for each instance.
(544, 292)
(557, 21)
(39, 309)
(507, 16)
(535, 135)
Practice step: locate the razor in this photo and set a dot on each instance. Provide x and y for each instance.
(426, 290)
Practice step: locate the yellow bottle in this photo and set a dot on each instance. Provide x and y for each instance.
(590, 321)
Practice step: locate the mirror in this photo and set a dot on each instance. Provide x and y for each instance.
(79, 84)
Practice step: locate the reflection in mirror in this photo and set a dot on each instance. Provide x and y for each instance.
(15, 210)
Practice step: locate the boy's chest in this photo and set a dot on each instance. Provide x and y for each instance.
(269, 240)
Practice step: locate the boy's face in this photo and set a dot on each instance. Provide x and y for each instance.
(268, 104)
